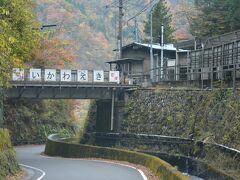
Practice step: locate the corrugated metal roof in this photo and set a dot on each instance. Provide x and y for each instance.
(167, 47)
(124, 60)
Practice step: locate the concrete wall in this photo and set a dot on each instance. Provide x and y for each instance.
(103, 120)
(103, 113)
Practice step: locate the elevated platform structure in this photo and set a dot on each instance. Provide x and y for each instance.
(65, 84)
(25, 90)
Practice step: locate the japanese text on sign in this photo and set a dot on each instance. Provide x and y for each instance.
(50, 75)
(98, 76)
(66, 75)
(18, 74)
(35, 75)
(82, 75)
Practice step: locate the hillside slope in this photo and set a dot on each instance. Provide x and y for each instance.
(91, 26)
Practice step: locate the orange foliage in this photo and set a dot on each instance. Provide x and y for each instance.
(182, 35)
(101, 40)
(84, 27)
(53, 53)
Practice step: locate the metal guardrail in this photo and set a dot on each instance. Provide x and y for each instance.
(151, 138)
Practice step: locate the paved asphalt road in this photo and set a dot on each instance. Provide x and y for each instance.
(70, 169)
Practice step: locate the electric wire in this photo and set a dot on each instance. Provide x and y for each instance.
(142, 10)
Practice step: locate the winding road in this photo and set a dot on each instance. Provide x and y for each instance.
(48, 168)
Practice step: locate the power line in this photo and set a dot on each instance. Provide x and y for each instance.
(142, 10)
(112, 4)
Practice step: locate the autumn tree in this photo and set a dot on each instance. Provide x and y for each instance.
(17, 37)
(161, 16)
(215, 17)
(53, 53)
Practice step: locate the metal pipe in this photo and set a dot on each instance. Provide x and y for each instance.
(112, 110)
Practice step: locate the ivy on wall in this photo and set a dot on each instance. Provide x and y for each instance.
(212, 116)
(32, 121)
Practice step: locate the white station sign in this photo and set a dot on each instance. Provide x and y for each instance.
(66, 75)
(98, 76)
(82, 76)
(35, 75)
(114, 76)
(18, 74)
(50, 75)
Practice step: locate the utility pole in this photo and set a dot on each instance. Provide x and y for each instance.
(136, 30)
(162, 46)
(120, 28)
(151, 42)
(119, 42)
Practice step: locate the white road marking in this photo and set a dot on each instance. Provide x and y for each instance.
(139, 170)
(43, 173)
(109, 162)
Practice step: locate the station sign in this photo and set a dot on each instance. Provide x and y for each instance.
(66, 75)
(114, 77)
(35, 75)
(18, 74)
(50, 75)
(82, 75)
(98, 76)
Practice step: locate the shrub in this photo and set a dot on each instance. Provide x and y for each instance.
(8, 162)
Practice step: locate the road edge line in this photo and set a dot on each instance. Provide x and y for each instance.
(104, 161)
(109, 162)
(43, 173)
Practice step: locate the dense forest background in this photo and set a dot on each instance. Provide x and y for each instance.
(91, 26)
(85, 37)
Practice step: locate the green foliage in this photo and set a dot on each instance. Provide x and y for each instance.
(210, 116)
(160, 16)
(1, 107)
(5, 142)
(159, 167)
(90, 124)
(8, 162)
(215, 17)
(17, 37)
(32, 122)
(230, 164)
